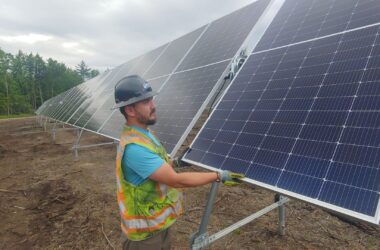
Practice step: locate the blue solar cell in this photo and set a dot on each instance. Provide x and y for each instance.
(353, 175)
(309, 128)
(359, 136)
(300, 20)
(356, 199)
(301, 184)
(265, 174)
(307, 166)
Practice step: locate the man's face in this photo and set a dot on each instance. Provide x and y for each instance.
(145, 111)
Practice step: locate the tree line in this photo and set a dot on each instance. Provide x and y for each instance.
(27, 80)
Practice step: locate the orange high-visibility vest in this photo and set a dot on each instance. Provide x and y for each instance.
(151, 206)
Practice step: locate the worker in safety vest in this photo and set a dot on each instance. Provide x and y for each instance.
(147, 193)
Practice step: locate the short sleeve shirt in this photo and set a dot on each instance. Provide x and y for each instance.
(138, 162)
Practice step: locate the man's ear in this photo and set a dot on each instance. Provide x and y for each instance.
(129, 110)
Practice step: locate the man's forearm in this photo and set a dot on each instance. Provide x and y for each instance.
(193, 179)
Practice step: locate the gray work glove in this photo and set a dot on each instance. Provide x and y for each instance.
(229, 178)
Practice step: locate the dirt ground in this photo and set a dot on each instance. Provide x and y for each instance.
(50, 201)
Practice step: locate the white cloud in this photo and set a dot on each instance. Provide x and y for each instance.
(29, 38)
(103, 33)
(69, 45)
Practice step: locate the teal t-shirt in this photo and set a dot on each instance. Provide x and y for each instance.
(138, 162)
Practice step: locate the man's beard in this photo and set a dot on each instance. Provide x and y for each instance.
(146, 120)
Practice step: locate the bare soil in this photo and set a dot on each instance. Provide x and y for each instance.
(50, 201)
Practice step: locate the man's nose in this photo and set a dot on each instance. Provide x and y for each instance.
(152, 104)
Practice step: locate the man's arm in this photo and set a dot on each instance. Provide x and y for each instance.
(166, 175)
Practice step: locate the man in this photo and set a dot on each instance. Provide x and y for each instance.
(146, 181)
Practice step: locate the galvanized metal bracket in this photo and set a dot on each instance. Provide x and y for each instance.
(201, 239)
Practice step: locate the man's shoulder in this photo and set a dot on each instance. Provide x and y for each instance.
(134, 149)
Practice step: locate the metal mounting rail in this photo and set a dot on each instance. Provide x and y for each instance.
(77, 146)
(201, 238)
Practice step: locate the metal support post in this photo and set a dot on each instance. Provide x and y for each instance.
(45, 124)
(76, 144)
(201, 235)
(201, 239)
(53, 130)
(281, 215)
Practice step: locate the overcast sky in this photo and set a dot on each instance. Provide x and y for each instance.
(103, 33)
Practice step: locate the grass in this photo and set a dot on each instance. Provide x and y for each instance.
(15, 116)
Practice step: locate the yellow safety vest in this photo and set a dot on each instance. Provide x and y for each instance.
(150, 207)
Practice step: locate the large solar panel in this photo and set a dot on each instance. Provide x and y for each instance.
(304, 120)
(300, 20)
(224, 36)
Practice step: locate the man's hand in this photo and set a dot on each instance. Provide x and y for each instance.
(229, 178)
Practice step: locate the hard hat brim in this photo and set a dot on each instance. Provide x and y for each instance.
(135, 99)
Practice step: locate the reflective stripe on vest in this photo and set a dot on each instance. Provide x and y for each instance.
(151, 206)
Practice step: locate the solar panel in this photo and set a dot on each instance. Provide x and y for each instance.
(147, 60)
(72, 103)
(56, 104)
(65, 99)
(304, 120)
(95, 86)
(224, 36)
(102, 113)
(300, 20)
(173, 54)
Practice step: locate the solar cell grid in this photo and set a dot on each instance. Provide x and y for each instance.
(58, 109)
(173, 54)
(102, 112)
(98, 96)
(92, 90)
(178, 103)
(147, 60)
(307, 125)
(72, 103)
(300, 20)
(224, 36)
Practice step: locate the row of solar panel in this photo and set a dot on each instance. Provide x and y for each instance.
(198, 58)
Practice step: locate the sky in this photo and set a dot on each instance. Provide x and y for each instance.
(103, 33)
